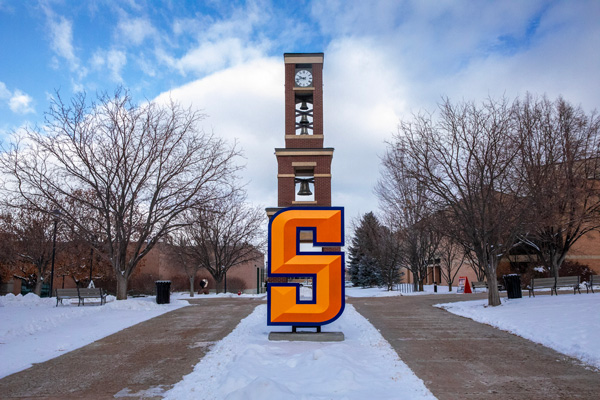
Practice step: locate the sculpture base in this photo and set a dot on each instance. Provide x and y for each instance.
(307, 336)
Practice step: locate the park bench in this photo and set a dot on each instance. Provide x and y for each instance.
(478, 285)
(81, 294)
(590, 285)
(553, 284)
(483, 284)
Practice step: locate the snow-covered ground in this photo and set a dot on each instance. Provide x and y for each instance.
(247, 366)
(186, 296)
(34, 330)
(383, 292)
(570, 324)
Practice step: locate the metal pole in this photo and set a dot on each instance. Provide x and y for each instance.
(257, 280)
(53, 255)
(91, 262)
(225, 281)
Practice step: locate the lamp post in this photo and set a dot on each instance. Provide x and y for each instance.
(91, 262)
(92, 257)
(56, 214)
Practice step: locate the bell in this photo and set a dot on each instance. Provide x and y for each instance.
(304, 125)
(304, 189)
(303, 107)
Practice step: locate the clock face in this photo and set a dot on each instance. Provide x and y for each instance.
(303, 78)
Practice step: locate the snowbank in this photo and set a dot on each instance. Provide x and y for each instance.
(246, 365)
(34, 330)
(569, 324)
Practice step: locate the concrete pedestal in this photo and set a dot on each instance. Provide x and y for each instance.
(307, 336)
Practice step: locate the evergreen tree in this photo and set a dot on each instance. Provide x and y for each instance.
(363, 252)
(369, 273)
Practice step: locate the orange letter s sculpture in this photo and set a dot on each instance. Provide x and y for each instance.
(326, 268)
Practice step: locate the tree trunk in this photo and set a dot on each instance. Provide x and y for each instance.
(38, 287)
(191, 286)
(421, 285)
(122, 282)
(493, 293)
(555, 262)
(449, 286)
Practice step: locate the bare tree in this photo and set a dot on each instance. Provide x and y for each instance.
(143, 165)
(223, 236)
(31, 232)
(408, 208)
(181, 250)
(465, 159)
(78, 260)
(452, 257)
(7, 247)
(473, 261)
(389, 255)
(560, 165)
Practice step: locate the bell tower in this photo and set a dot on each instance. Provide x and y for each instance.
(303, 165)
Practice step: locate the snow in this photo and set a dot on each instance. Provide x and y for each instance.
(246, 365)
(34, 330)
(155, 391)
(186, 296)
(569, 324)
(383, 292)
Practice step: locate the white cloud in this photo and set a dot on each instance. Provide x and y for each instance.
(113, 60)
(363, 101)
(244, 103)
(21, 103)
(4, 92)
(60, 34)
(18, 101)
(116, 60)
(98, 59)
(219, 43)
(212, 56)
(364, 98)
(148, 66)
(383, 63)
(134, 30)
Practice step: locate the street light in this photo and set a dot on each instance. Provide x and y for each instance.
(56, 214)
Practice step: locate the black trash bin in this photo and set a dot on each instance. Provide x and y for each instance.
(163, 292)
(512, 283)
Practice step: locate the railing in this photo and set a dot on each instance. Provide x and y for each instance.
(405, 287)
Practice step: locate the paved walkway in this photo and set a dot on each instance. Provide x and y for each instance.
(141, 361)
(458, 358)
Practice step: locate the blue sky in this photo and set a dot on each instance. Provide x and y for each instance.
(384, 60)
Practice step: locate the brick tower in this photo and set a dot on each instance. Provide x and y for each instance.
(303, 165)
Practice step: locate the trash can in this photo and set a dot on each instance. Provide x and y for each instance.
(163, 292)
(512, 283)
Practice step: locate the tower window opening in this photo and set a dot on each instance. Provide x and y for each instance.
(304, 115)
